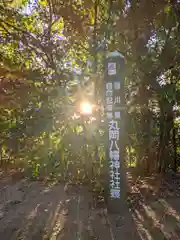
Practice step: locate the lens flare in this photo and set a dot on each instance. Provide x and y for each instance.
(86, 108)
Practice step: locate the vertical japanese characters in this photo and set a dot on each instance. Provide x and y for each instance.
(113, 101)
(114, 159)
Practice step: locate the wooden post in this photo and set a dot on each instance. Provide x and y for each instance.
(114, 115)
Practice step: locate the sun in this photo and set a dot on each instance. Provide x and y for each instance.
(86, 108)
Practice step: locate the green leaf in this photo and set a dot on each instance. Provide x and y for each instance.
(58, 25)
(167, 9)
(43, 3)
(16, 3)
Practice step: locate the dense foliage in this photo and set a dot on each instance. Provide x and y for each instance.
(42, 43)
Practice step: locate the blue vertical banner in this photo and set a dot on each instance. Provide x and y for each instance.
(114, 113)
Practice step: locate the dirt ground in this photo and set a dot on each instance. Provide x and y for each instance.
(49, 211)
(155, 206)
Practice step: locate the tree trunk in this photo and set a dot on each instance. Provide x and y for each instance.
(174, 167)
(161, 137)
(166, 125)
(150, 150)
(163, 141)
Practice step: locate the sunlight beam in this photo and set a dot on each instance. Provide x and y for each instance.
(86, 108)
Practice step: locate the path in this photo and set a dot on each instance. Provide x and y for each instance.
(155, 203)
(33, 210)
(39, 211)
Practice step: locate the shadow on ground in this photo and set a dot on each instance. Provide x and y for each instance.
(155, 206)
(35, 210)
(32, 211)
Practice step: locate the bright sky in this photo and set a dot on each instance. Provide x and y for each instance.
(30, 6)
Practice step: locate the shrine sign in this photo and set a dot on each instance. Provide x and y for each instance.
(114, 113)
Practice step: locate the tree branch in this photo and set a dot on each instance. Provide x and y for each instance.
(36, 42)
(50, 20)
